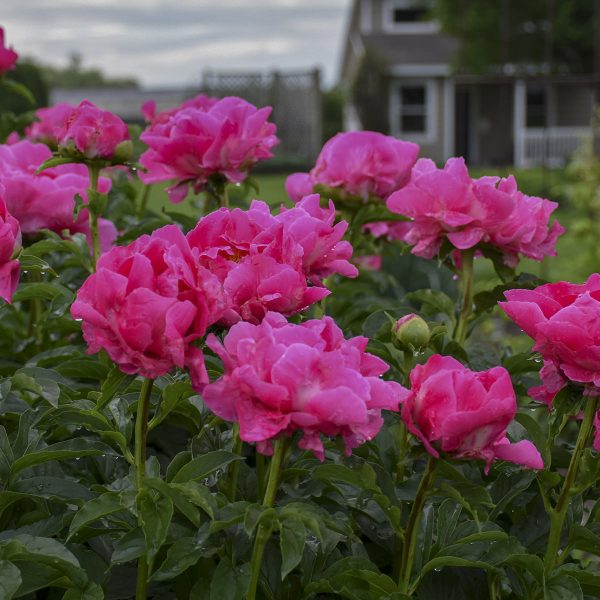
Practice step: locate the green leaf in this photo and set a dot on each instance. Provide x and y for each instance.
(74, 448)
(229, 582)
(199, 495)
(130, 547)
(448, 515)
(178, 498)
(10, 579)
(43, 290)
(563, 587)
(172, 395)
(205, 465)
(54, 161)
(432, 302)
(528, 562)
(92, 591)
(155, 515)
(6, 455)
(106, 504)
(184, 553)
(362, 477)
(29, 262)
(116, 381)
(18, 88)
(292, 538)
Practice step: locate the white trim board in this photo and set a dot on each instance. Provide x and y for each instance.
(431, 111)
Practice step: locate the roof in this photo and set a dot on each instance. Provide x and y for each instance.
(413, 49)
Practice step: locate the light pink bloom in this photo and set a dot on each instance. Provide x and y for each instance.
(447, 204)
(8, 57)
(50, 121)
(365, 164)
(46, 200)
(92, 133)
(10, 244)
(280, 377)
(148, 303)
(227, 138)
(464, 413)
(564, 320)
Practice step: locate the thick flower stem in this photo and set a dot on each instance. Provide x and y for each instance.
(559, 512)
(93, 211)
(460, 333)
(234, 467)
(412, 527)
(141, 432)
(264, 531)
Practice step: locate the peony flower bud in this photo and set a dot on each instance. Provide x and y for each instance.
(8, 57)
(411, 333)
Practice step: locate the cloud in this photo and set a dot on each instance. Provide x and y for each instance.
(165, 42)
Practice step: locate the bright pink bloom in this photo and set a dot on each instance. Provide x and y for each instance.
(280, 377)
(324, 252)
(263, 261)
(8, 57)
(464, 413)
(10, 244)
(148, 303)
(564, 320)
(92, 133)
(47, 200)
(50, 121)
(227, 138)
(148, 109)
(447, 204)
(365, 164)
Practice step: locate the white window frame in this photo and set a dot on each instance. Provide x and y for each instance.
(390, 26)
(431, 110)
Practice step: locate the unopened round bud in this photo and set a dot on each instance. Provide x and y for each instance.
(411, 332)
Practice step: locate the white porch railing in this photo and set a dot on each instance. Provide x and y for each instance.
(550, 146)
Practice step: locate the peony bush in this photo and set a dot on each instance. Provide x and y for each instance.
(348, 393)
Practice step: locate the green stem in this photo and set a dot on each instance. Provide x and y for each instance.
(141, 432)
(36, 310)
(260, 474)
(264, 531)
(412, 527)
(93, 212)
(144, 200)
(460, 333)
(234, 468)
(559, 512)
(408, 362)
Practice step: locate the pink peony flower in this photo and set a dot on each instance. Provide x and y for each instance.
(447, 204)
(454, 410)
(148, 303)
(92, 133)
(280, 377)
(366, 164)
(197, 141)
(50, 121)
(8, 57)
(260, 261)
(324, 252)
(10, 244)
(47, 200)
(564, 320)
(148, 109)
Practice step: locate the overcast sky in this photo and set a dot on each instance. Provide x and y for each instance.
(170, 42)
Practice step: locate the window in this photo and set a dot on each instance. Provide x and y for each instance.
(536, 111)
(413, 108)
(408, 15)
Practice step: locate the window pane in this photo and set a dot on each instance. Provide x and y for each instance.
(409, 15)
(412, 123)
(536, 107)
(413, 95)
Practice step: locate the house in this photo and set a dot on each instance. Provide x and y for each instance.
(397, 72)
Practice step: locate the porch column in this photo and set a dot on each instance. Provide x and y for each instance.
(449, 118)
(519, 106)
